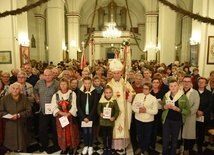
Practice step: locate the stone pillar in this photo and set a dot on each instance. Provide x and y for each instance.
(98, 54)
(141, 30)
(166, 37)
(40, 39)
(151, 34)
(186, 35)
(55, 30)
(200, 33)
(73, 34)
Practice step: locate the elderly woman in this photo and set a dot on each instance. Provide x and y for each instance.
(64, 106)
(176, 108)
(27, 88)
(15, 108)
(145, 107)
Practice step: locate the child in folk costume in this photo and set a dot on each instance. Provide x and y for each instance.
(108, 111)
(87, 100)
(63, 104)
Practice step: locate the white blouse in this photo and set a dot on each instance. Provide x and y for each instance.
(147, 101)
(54, 105)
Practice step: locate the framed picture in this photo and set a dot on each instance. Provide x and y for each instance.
(5, 57)
(194, 53)
(24, 55)
(210, 50)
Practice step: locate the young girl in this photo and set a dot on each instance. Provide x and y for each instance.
(87, 100)
(107, 123)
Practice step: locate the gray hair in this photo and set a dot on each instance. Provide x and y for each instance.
(22, 73)
(16, 83)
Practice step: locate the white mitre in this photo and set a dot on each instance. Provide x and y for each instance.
(115, 65)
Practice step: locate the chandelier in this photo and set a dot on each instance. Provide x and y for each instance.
(111, 31)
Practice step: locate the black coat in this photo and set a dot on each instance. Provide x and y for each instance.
(206, 102)
(32, 79)
(81, 104)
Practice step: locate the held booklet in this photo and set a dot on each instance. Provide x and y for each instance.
(8, 116)
(106, 113)
(63, 121)
(48, 109)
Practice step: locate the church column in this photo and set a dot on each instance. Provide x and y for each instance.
(151, 34)
(141, 29)
(73, 34)
(40, 39)
(200, 33)
(22, 29)
(98, 54)
(186, 35)
(166, 37)
(55, 30)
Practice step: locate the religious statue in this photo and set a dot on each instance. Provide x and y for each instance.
(33, 42)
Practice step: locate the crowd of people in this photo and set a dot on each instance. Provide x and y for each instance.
(99, 103)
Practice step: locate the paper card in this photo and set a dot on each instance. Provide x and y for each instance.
(137, 105)
(48, 109)
(159, 105)
(200, 119)
(170, 102)
(86, 125)
(8, 116)
(63, 121)
(106, 113)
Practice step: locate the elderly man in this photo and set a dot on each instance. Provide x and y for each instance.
(44, 90)
(31, 78)
(123, 93)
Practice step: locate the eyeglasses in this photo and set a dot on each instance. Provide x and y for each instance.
(145, 88)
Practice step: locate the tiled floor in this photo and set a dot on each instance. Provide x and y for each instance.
(208, 149)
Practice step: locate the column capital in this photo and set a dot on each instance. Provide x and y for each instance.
(39, 16)
(141, 24)
(73, 15)
(151, 13)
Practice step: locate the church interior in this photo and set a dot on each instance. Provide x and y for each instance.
(62, 30)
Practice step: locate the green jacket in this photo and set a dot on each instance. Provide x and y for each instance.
(183, 104)
(114, 112)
